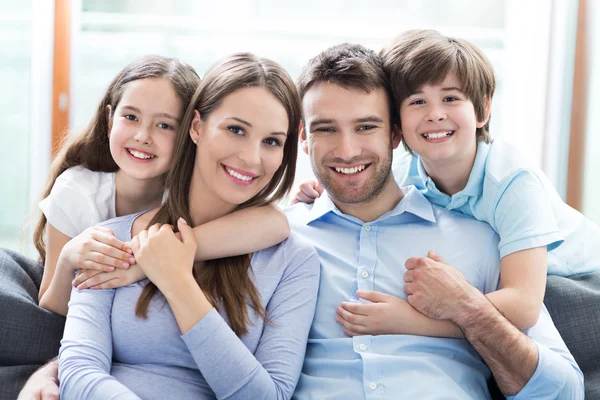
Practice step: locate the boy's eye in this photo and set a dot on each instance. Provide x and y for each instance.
(273, 142)
(449, 99)
(236, 130)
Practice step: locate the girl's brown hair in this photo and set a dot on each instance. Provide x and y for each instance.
(90, 148)
(227, 281)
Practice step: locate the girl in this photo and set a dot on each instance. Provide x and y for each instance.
(163, 337)
(116, 167)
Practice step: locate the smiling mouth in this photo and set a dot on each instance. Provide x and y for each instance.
(351, 170)
(140, 154)
(437, 135)
(238, 175)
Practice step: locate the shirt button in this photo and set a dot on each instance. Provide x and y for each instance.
(368, 228)
(364, 274)
(363, 347)
(372, 386)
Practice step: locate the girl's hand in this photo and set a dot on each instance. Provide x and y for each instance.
(308, 192)
(386, 314)
(98, 249)
(89, 279)
(164, 258)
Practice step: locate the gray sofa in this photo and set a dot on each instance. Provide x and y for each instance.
(30, 335)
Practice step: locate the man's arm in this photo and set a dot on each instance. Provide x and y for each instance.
(43, 384)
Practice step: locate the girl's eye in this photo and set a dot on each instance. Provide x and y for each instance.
(273, 142)
(236, 130)
(417, 102)
(164, 126)
(130, 117)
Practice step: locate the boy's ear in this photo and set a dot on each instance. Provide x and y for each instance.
(396, 136)
(488, 111)
(196, 127)
(303, 139)
(109, 118)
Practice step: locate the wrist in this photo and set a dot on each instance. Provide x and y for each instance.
(177, 285)
(473, 310)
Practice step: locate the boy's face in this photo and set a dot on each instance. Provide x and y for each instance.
(348, 138)
(439, 123)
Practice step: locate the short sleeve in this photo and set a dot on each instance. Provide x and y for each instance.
(66, 209)
(523, 216)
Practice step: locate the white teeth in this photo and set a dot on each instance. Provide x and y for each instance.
(437, 135)
(139, 154)
(238, 175)
(350, 171)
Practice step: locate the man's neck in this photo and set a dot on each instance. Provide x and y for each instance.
(134, 195)
(384, 201)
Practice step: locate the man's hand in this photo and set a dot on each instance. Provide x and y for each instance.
(43, 384)
(308, 192)
(437, 289)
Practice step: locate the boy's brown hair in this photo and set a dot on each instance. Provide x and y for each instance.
(349, 66)
(420, 57)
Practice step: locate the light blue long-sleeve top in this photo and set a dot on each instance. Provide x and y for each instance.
(521, 205)
(371, 256)
(109, 353)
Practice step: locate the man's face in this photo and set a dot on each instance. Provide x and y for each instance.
(347, 136)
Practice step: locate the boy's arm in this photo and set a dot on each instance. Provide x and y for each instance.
(241, 232)
(522, 286)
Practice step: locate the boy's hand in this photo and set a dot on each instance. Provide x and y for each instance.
(386, 314)
(91, 279)
(98, 249)
(308, 192)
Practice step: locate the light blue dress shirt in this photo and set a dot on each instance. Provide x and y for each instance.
(371, 256)
(521, 205)
(109, 353)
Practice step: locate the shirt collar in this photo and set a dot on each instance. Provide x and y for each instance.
(413, 202)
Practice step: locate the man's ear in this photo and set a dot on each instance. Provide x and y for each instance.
(303, 139)
(488, 111)
(396, 136)
(109, 117)
(196, 127)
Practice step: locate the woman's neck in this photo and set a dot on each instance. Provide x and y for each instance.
(135, 195)
(450, 176)
(205, 205)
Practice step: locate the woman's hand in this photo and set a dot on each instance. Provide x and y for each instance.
(163, 258)
(97, 249)
(90, 279)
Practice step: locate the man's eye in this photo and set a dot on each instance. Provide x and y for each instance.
(366, 127)
(236, 130)
(324, 129)
(273, 142)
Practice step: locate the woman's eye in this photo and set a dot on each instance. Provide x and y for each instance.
(164, 126)
(273, 142)
(236, 130)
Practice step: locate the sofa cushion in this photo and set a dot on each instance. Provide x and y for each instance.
(574, 304)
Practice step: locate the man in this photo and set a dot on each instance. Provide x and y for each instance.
(367, 229)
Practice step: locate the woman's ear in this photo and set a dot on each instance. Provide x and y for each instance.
(196, 127)
(109, 117)
(488, 111)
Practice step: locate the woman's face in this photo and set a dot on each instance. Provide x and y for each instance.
(240, 144)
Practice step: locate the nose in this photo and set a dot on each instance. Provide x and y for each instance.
(250, 153)
(143, 135)
(435, 113)
(348, 146)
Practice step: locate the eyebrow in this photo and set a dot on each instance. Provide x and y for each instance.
(249, 125)
(445, 89)
(163, 115)
(321, 121)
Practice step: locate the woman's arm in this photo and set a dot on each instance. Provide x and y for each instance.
(241, 232)
(85, 356)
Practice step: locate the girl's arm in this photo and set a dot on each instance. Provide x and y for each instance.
(241, 232)
(522, 286)
(85, 355)
(95, 248)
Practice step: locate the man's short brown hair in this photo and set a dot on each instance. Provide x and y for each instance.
(349, 66)
(420, 57)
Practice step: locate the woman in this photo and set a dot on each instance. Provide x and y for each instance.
(163, 337)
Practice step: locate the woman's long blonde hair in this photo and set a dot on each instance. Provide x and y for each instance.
(227, 280)
(90, 148)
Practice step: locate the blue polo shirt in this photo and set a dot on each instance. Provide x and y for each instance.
(521, 205)
(371, 256)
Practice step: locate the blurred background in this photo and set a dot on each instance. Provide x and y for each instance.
(58, 56)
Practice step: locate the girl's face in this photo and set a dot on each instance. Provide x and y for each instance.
(240, 145)
(143, 126)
